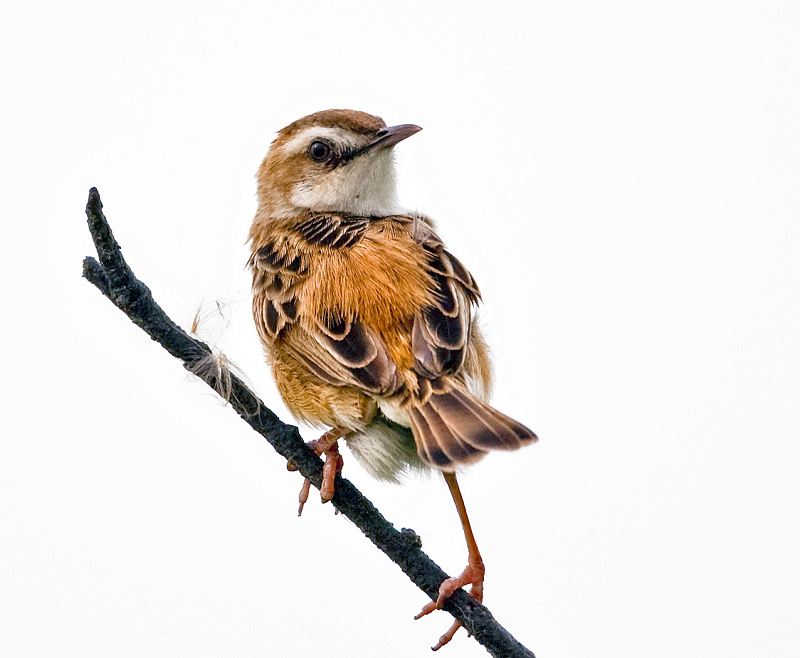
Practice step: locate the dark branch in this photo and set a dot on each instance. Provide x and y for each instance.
(115, 280)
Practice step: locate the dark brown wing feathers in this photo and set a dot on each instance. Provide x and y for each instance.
(333, 230)
(441, 330)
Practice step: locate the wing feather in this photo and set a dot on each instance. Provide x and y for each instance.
(441, 329)
(340, 350)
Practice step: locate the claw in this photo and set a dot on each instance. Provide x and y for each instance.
(325, 445)
(304, 495)
(333, 465)
(472, 575)
(447, 636)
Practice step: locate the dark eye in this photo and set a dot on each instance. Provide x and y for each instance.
(319, 151)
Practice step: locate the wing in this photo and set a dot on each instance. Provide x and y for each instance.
(334, 231)
(441, 330)
(339, 350)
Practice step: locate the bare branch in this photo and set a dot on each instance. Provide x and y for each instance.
(114, 278)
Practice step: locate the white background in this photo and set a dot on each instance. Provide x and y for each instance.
(622, 180)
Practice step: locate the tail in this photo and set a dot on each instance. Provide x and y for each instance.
(453, 428)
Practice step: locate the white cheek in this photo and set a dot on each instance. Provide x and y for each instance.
(365, 186)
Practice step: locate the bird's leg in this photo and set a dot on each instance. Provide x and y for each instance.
(472, 574)
(325, 445)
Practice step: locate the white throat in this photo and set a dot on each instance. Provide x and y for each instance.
(364, 186)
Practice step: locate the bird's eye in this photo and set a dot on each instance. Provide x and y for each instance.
(319, 151)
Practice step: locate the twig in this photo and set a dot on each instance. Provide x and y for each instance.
(112, 276)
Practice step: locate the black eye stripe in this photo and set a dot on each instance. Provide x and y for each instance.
(348, 154)
(322, 151)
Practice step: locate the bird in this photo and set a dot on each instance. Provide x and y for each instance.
(367, 321)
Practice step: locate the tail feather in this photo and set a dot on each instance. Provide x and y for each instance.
(446, 446)
(499, 431)
(454, 428)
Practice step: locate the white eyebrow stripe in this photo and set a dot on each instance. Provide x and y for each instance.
(302, 139)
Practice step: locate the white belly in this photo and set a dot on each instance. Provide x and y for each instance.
(394, 412)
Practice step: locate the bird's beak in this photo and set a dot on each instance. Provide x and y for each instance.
(385, 138)
(390, 136)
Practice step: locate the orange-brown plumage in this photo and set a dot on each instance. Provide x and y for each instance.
(367, 320)
(344, 283)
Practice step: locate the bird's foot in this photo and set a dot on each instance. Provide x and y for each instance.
(326, 445)
(472, 575)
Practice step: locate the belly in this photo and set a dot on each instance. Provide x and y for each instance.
(394, 410)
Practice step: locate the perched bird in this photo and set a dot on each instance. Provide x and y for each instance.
(367, 320)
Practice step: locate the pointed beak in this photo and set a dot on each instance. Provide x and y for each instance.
(391, 136)
(385, 138)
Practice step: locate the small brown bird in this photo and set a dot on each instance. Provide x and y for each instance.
(366, 319)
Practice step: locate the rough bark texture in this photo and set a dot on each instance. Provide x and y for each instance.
(115, 279)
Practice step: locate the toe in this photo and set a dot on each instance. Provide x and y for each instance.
(447, 636)
(304, 491)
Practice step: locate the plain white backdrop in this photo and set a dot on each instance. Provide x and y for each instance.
(622, 180)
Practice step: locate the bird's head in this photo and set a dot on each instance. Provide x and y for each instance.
(334, 160)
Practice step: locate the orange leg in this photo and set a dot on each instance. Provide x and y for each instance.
(325, 445)
(472, 574)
